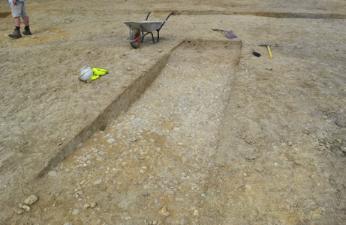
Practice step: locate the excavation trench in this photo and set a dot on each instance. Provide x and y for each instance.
(292, 15)
(119, 105)
(131, 94)
(158, 152)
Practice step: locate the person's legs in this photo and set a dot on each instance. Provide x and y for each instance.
(26, 21)
(27, 27)
(17, 21)
(16, 33)
(16, 13)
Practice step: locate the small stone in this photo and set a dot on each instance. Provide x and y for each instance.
(52, 173)
(90, 206)
(18, 211)
(160, 50)
(269, 69)
(93, 205)
(129, 69)
(110, 140)
(133, 139)
(78, 194)
(164, 211)
(97, 182)
(289, 143)
(154, 222)
(75, 212)
(31, 200)
(250, 156)
(67, 223)
(25, 207)
(340, 120)
(195, 212)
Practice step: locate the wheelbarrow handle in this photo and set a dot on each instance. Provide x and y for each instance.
(169, 15)
(146, 18)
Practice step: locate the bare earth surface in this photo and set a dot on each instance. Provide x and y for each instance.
(220, 137)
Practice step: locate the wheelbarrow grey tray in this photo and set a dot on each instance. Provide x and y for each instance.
(146, 26)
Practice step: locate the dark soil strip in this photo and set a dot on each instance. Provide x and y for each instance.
(263, 14)
(4, 14)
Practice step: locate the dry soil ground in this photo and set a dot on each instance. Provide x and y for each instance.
(220, 137)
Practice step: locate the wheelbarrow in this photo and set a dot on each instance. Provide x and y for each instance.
(138, 30)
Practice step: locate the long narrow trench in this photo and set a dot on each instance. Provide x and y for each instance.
(150, 165)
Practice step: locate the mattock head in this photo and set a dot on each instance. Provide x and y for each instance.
(268, 44)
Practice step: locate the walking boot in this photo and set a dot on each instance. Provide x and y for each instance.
(27, 31)
(16, 33)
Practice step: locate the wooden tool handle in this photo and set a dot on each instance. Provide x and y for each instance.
(270, 52)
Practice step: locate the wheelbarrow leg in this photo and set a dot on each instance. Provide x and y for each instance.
(152, 37)
(158, 35)
(145, 34)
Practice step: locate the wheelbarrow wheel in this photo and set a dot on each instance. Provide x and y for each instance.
(135, 38)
